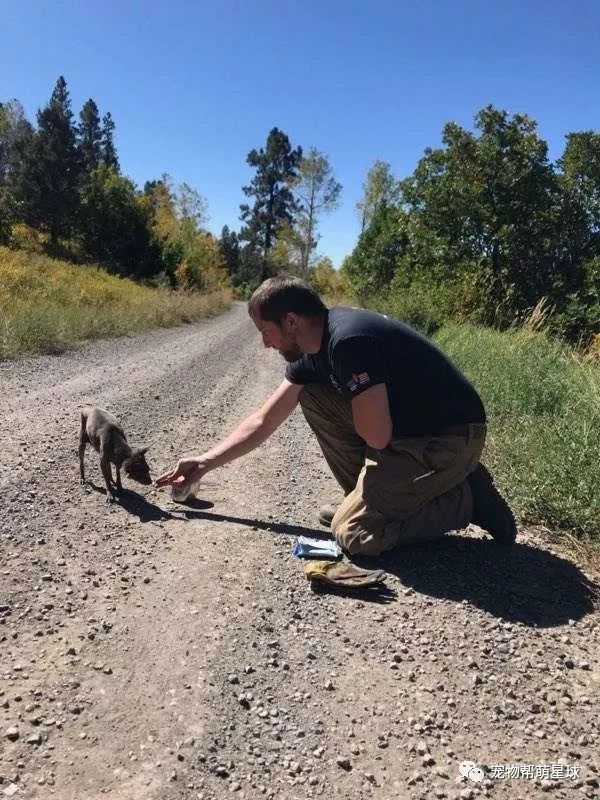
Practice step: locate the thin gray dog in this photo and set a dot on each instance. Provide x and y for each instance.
(107, 437)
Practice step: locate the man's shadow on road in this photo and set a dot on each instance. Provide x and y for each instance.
(521, 583)
(192, 510)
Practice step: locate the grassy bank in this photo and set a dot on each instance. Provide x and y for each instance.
(543, 404)
(47, 306)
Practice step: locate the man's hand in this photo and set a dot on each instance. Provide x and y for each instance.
(187, 471)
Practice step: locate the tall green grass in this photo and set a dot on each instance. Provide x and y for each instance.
(47, 305)
(543, 405)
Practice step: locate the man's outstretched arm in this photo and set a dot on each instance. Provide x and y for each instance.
(249, 434)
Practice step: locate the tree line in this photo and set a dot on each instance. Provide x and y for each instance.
(62, 191)
(486, 228)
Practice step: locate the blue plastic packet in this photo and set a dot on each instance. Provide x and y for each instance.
(317, 548)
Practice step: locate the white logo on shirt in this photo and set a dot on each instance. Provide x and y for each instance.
(334, 382)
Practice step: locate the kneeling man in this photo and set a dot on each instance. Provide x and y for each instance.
(400, 426)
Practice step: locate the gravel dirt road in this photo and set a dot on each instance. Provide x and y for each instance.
(152, 651)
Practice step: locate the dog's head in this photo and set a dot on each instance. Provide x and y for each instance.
(136, 466)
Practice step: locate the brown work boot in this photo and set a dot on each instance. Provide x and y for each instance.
(326, 514)
(490, 509)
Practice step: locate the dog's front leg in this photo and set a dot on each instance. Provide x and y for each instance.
(106, 472)
(118, 471)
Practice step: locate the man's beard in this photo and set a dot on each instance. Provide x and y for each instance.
(292, 352)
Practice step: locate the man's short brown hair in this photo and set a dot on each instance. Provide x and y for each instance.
(276, 297)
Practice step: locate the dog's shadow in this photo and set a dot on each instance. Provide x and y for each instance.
(139, 506)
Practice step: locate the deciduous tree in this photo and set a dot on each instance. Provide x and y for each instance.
(116, 225)
(379, 190)
(15, 133)
(316, 191)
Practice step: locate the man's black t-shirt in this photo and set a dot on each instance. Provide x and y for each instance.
(360, 349)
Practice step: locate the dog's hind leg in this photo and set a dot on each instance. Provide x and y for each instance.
(83, 440)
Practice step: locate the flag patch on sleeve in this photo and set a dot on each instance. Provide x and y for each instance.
(358, 379)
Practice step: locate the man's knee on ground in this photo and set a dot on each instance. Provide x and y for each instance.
(354, 540)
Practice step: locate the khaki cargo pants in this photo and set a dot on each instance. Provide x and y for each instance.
(413, 491)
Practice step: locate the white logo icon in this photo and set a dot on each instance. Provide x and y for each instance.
(468, 769)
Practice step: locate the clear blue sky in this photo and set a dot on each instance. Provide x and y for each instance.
(194, 85)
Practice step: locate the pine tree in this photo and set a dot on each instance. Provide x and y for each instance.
(46, 185)
(109, 151)
(90, 137)
(274, 204)
(230, 250)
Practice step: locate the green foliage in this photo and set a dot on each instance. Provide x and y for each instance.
(61, 192)
(424, 301)
(115, 226)
(579, 317)
(580, 174)
(487, 199)
(375, 259)
(229, 245)
(190, 256)
(15, 130)
(486, 227)
(543, 405)
(330, 283)
(252, 267)
(202, 266)
(108, 149)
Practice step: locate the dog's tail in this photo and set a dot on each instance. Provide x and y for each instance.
(83, 415)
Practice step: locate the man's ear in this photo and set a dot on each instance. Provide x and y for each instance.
(291, 319)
